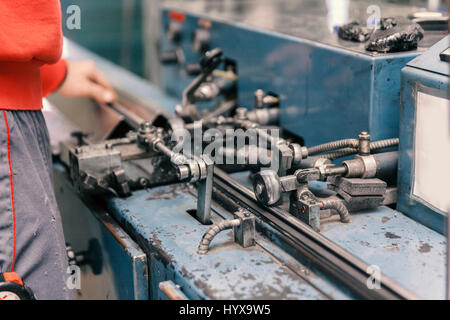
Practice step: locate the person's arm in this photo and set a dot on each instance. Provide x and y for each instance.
(52, 76)
(76, 79)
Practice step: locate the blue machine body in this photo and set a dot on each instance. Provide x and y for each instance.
(120, 269)
(298, 55)
(157, 223)
(329, 89)
(429, 75)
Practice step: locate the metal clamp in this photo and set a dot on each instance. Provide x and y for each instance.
(204, 189)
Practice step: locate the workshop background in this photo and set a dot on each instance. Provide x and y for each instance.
(138, 24)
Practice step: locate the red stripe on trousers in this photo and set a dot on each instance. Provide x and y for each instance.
(12, 191)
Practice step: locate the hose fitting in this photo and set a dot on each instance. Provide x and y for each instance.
(208, 237)
(339, 207)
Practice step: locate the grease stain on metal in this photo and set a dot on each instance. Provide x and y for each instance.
(385, 219)
(425, 247)
(391, 235)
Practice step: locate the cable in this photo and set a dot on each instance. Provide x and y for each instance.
(330, 146)
(339, 207)
(376, 145)
(213, 231)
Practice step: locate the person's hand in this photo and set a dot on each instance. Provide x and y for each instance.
(83, 79)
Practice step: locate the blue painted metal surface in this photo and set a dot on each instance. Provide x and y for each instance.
(124, 269)
(112, 29)
(425, 73)
(294, 54)
(403, 249)
(160, 223)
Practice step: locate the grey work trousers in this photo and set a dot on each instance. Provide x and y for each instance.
(31, 236)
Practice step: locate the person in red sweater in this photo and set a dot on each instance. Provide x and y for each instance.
(31, 238)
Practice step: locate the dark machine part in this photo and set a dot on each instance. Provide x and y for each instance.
(268, 186)
(359, 194)
(201, 39)
(144, 158)
(340, 148)
(379, 165)
(91, 257)
(354, 31)
(193, 69)
(403, 36)
(359, 32)
(430, 21)
(174, 30)
(187, 110)
(322, 253)
(175, 56)
(393, 34)
(117, 167)
(445, 55)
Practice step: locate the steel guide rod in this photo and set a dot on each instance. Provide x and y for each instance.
(324, 254)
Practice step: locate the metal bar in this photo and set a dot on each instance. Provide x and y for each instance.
(133, 119)
(204, 189)
(323, 253)
(171, 291)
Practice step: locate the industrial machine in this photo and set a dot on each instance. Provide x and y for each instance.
(277, 161)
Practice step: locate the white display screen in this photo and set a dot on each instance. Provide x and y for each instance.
(432, 151)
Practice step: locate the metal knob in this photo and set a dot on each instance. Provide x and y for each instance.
(267, 187)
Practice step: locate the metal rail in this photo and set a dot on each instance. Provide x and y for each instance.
(324, 254)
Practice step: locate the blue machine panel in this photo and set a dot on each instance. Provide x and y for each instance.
(119, 270)
(430, 76)
(295, 53)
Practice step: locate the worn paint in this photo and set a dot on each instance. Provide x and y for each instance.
(405, 250)
(228, 271)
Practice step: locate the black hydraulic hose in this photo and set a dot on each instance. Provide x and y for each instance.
(349, 146)
(375, 145)
(338, 206)
(339, 153)
(213, 231)
(382, 144)
(330, 146)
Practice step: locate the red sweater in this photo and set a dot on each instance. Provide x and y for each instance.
(30, 51)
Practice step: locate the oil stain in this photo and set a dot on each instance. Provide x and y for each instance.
(425, 248)
(391, 235)
(385, 219)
